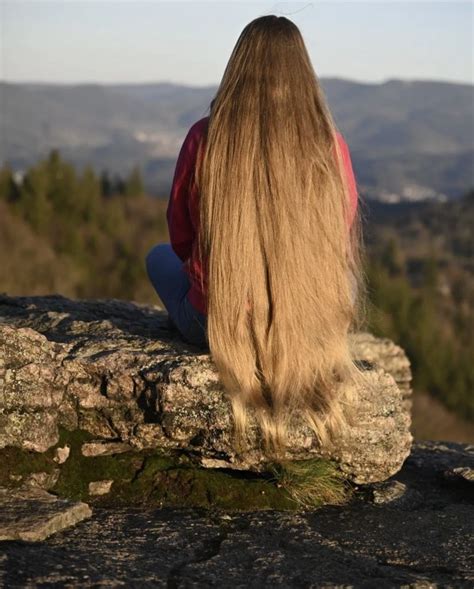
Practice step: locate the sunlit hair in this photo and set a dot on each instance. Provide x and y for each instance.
(282, 267)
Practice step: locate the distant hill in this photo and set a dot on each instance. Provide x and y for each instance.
(409, 140)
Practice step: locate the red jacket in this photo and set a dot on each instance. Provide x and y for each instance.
(183, 210)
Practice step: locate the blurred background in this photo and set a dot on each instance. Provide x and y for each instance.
(96, 98)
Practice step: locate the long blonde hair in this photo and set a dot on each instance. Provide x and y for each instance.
(282, 267)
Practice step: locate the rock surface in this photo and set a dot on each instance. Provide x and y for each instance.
(418, 538)
(32, 514)
(114, 369)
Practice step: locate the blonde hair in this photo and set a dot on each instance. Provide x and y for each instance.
(282, 267)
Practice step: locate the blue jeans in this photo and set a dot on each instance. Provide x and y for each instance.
(166, 273)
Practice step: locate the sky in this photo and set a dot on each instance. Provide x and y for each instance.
(110, 41)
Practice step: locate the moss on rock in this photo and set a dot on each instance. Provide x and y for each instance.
(146, 477)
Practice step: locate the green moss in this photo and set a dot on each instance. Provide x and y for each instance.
(78, 470)
(199, 487)
(170, 479)
(21, 463)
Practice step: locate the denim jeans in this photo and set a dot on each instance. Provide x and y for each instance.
(170, 281)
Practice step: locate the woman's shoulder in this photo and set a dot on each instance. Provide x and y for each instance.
(343, 146)
(340, 137)
(193, 137)
(199, 126)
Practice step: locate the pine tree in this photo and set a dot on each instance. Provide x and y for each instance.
(134, 184)
(9, 190)
(392, 257)
(89, 195)
(105, 184)
(33, 204)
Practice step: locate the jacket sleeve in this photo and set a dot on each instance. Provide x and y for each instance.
(352, 182)
(180, 227)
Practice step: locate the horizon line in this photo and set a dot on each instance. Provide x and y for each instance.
(211, 85)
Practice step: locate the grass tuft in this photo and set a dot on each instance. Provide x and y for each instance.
(312, 483)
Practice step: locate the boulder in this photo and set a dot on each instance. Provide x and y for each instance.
(116, 371)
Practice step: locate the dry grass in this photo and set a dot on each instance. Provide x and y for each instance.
(312, 483)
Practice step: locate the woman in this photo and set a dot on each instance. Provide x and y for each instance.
(264, 265)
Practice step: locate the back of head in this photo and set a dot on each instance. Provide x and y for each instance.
(281, 261)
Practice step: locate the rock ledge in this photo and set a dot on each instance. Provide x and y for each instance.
(115, 374)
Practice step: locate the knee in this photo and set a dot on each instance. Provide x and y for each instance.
(154, 254)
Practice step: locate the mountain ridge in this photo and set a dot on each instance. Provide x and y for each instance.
(395, 130)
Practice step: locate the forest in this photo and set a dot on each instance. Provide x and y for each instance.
(85, 235)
